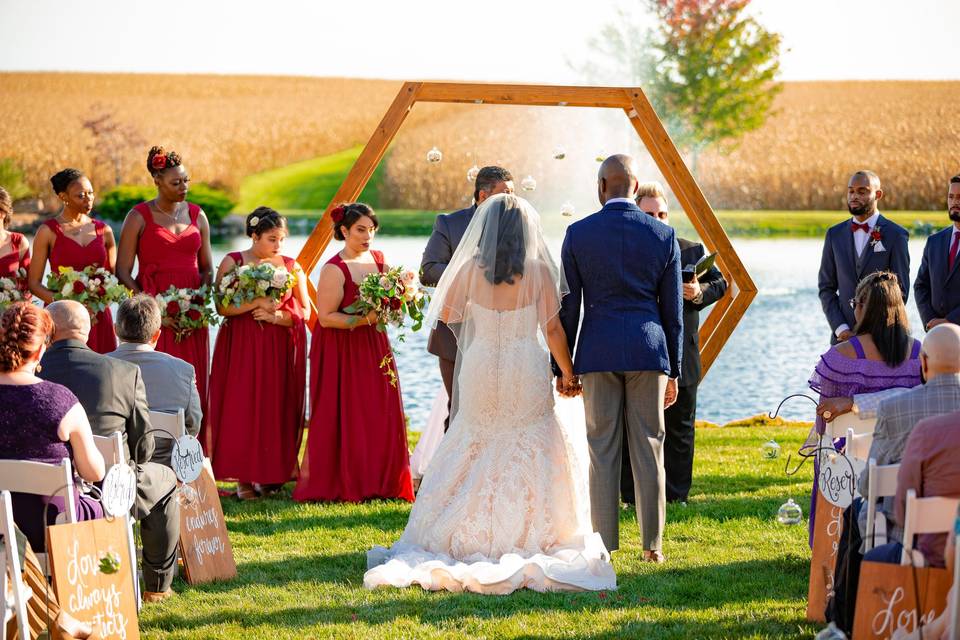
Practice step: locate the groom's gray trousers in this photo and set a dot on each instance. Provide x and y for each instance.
(631, 403)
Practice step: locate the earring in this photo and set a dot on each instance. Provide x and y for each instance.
(37, 369)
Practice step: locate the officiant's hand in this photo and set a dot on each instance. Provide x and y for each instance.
(691, 290)
(670, 393)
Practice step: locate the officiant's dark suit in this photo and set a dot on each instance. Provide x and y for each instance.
(448, 230)
(841, 267)
(679, 418)
(112, 394)
(937, 289)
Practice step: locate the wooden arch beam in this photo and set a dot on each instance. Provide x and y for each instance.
(724, 315)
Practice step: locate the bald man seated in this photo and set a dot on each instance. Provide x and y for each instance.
(112, 394)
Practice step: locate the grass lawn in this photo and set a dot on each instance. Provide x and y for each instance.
(732, 570)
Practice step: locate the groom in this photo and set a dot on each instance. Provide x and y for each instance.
(448, 229)
(624, 267)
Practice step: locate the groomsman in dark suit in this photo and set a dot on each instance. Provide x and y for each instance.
(679, 419)
(448, 229)
(858, 247)
(937, 288)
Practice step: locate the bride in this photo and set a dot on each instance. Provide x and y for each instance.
(505, 502)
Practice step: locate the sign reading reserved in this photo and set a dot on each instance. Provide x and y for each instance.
(206, 550)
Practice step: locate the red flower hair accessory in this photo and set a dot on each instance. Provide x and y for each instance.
(159, 162)
(337, 213)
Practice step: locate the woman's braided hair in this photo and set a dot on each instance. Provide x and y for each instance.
(24, 328)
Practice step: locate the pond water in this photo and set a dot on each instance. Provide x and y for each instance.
(769, 356)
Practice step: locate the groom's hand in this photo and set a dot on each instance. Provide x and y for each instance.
(670, 393)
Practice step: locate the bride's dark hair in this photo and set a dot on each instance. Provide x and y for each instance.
(507, 219)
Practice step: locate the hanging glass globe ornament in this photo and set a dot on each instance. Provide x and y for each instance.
(566, 209)
(831, 632)
(770, 450)
(187, 495)
(434, 155)
(559, 153)
(528, 184)
(472, 173)
(790, 513)
(601, 157)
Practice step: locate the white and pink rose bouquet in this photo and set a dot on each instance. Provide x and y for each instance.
(245, 283)
(13, 289)
(395, 296)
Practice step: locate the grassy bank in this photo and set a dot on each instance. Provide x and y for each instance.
(732, 570)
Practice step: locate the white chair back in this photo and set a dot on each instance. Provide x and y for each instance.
(858, 444)
(926, 515)
(11, 559)
(839, 426)
(168, 425)
(881, 483)
(42, 479)
(111, 448)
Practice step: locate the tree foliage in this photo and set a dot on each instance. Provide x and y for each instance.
(708, 67)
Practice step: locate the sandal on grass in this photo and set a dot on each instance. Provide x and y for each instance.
(246, 491)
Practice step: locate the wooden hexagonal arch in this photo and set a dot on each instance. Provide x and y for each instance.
(724, 315)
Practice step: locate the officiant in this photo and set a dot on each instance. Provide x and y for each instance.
(698, 293)
(448, 229)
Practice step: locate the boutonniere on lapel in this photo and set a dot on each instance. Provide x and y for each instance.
(876, 240)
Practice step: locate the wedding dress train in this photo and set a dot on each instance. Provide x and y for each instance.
(505, 502)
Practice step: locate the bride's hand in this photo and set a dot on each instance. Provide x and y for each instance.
(571, 386)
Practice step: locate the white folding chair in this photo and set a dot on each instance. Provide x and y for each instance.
(41, 479)
(168, 425)
(857, 445)
(10, 563)
(839, 426)
(113, 452)
(881, 483)
(925, 515)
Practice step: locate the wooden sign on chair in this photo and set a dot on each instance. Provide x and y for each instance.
(93, 575)
(204, 544)
(724, 315)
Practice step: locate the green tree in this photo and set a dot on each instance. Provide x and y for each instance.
(14, 179)
(708, 67)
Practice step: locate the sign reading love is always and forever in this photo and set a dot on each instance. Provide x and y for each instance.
(93, 576)
(207, 554)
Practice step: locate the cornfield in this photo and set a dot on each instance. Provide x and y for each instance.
(228, 127)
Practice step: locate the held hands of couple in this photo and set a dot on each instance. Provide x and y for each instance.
(569, 386)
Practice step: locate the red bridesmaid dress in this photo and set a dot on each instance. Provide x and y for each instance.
(357, 440)
(67, 252)
(165, 259)
(257, 390)
(11, 262)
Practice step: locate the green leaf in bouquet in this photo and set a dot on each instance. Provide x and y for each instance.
(353, 308)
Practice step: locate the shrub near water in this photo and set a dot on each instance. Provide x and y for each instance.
(117, 202)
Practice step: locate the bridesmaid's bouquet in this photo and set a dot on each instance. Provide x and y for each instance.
(187, 309)
(394, 295)
(94, 287)
(245, 283)
(11, 290)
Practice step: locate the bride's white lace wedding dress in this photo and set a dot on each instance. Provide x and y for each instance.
(505, 502)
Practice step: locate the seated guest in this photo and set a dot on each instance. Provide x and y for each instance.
(897, 417)
(170, 382)
(40, 421)
(880, 355)
(112, 394)
(931, 467)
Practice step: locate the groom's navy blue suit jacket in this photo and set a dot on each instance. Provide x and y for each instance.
(624, 266)
(937, 289)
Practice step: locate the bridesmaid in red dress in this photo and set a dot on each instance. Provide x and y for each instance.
(14, 248)
(74, 239)
(170, 239)
(357, 440)
(259, 373)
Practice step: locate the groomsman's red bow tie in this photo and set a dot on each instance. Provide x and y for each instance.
(860, 227)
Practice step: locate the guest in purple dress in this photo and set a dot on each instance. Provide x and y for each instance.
(41, 421)
(881, 355)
